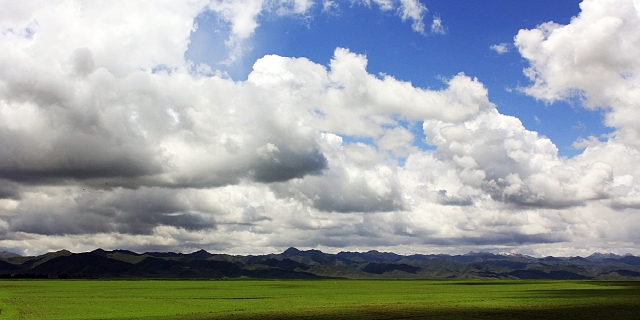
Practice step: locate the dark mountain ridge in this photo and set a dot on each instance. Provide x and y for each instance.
(315, 264)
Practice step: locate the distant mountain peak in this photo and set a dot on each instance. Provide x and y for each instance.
(201, 254)
(600, 256)
(129, 252)
(8, 254)
(100, 252)
(291, 250)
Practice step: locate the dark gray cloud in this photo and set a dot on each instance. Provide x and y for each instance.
(123, 211)
(67, 223)
(286, 164)
(444, 198)
(9, 190)
(139, 211)
(500, 239)
(527, 198)
(73, 155)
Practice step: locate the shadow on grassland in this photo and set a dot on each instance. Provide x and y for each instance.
(613, 301)
(604, 311)
(608, 292)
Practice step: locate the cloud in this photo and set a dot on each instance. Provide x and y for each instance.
(498, 157)
(414, 10)
(437, 27)
(579, 126)
(139, 133)
(346, 187)
(9, 190)
(112, 139)
(500, 48)
(145, 128)
(330, 7)
(95, 122)
(52, 211)
(398, 140)
(281, 165)
(593, 58)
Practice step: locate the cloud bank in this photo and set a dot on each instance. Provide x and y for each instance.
(110, 138)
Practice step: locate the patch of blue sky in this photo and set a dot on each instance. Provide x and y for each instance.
(347, 139)
(163, 68)
(415, 127)
(420, 139)
(207, 45)
(427, 61)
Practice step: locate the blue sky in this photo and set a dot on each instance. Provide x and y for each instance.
(251, 126)
(393, 48)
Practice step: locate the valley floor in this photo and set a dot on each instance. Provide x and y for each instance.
(318, 299)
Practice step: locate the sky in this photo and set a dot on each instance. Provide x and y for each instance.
(250, 126)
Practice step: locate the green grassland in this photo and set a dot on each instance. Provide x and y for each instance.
(318, 299)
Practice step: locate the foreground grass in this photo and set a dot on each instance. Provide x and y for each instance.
(318, 299)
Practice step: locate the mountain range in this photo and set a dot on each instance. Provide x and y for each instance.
(315, 264)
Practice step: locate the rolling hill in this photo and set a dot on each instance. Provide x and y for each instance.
(315, 264)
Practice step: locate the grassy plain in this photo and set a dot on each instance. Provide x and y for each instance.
(318, 299)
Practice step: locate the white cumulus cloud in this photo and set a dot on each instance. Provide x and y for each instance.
(500, 48)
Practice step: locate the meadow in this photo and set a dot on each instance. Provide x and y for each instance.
(318, 299)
